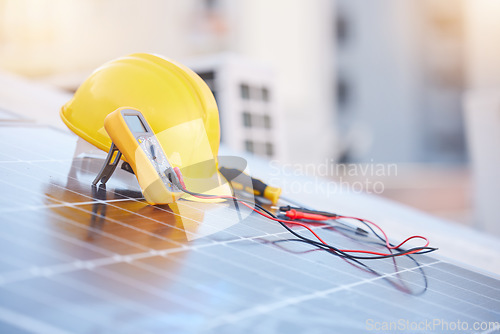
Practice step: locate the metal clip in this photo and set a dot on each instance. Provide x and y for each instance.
(109, 165)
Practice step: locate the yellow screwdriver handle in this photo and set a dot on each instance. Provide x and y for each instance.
(257, 187)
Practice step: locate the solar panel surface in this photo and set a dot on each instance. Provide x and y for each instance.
(96, 260)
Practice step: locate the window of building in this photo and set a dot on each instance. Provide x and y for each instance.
(209, 78)
(247, 119)
(342, 28)
(343, 92)
(249, 146)
(210, 4)
(269, 149)
(267, 121)
(265, 94)
(245, 91)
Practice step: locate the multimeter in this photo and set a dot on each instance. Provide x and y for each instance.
(134, 138)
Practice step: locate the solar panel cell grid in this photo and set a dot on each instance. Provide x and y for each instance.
(81, 259)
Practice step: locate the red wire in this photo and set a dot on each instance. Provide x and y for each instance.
(326, 218)
(385, 236)
(347, 250)
(265, 215)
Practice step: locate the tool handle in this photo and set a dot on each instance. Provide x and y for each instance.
(257, 187)
(294, 214)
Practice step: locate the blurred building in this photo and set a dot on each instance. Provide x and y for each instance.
(294, 37)
(245, 91)
(358, 80)
(482, 105)
(400, 75)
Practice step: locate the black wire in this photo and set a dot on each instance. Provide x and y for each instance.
(423, 250)
(333, 215)
(327, 247)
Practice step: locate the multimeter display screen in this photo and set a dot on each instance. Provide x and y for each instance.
(134, 123)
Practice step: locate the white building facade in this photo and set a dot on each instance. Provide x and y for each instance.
(400, 76)
(246, 94)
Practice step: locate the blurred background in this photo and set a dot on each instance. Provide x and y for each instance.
(414, 83)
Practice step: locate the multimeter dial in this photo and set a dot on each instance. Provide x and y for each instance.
(154, 152)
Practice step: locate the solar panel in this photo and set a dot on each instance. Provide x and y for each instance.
(93, 260)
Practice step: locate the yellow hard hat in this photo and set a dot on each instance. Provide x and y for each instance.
(176, 102)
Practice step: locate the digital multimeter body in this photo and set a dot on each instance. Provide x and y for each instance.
(132, 135)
